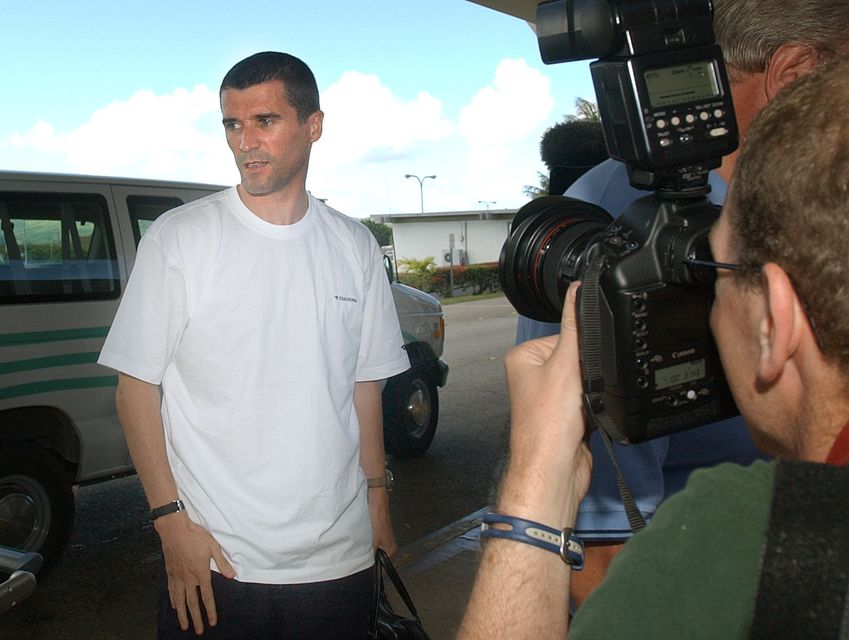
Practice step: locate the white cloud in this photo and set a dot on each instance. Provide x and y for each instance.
(490, 153)
(364, 120)
(372, 138)
(502, 126)
(42, 137)
(511, 108)
(174, 136)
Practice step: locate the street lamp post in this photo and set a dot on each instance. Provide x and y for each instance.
(421, 185)
(486, 203)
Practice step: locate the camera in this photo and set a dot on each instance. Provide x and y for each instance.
(649, 363)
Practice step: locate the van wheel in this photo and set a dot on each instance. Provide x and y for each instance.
(410, 413)
(36, 503)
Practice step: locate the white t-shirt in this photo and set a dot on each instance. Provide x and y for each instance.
(256, 333)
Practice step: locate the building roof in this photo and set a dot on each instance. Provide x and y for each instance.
(445, 216)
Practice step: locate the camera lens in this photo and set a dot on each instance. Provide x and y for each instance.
(544, 253)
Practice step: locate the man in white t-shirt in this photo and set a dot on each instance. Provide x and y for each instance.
(252, 342)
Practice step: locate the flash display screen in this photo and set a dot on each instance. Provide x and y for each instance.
(683, 83)
(679, 374)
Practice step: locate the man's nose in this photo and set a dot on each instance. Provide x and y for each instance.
(248, 141)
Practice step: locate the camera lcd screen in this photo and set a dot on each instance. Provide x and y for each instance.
(679, 374)
(683, 83)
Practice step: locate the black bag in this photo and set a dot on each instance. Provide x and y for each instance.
(385, 623)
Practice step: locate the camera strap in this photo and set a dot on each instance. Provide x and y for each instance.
(589, 338)
(804, 582)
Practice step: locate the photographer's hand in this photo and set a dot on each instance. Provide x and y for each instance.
(550, 463)
(522, 591)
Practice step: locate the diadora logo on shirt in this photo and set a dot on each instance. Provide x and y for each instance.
(345, 299)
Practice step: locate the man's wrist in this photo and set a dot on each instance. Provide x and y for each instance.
(534, 498)
(175, 506)
(385, 481)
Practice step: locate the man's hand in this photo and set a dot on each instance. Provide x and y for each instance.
(383, 536)
(187, 549)
(550, 463)
(522, 591)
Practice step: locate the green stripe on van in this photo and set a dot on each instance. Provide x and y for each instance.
(65, 360)
(32, 388)
(35, 337)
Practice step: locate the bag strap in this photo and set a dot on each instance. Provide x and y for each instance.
(382, 561)
(804, 583)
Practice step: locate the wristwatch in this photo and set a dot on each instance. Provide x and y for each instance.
(172, 507)
(387, 480)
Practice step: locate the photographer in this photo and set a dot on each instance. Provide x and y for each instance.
(767, 44)
(779, 322)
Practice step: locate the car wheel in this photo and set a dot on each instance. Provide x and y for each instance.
(36, 503)
(410, 413)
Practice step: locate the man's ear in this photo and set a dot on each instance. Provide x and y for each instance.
(316, 125)
(782, 325)
(789, 62)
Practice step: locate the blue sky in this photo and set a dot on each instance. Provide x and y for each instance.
(443, 87)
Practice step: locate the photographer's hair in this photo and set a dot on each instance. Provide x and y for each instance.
(751, 31)
(790, 199)
(301, 87)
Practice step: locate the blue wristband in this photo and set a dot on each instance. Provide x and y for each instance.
(564, 543)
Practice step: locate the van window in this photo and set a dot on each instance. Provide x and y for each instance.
(56, 247)
(145, 209)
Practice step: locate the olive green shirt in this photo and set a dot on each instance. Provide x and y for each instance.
(694, 572)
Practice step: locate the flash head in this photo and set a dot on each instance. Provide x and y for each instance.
(571, 30)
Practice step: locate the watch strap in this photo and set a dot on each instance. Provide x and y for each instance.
(563, 542)
(166, 509)
(386, 480)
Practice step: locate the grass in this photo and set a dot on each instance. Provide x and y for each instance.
(483, 296)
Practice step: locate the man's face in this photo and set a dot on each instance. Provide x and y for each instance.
(735, 321)
(270, 145)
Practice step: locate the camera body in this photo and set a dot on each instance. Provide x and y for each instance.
(648, 359)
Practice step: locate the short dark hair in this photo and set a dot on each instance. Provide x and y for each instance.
(299, 81)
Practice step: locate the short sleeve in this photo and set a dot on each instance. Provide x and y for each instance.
(150, 320)
(381, 352)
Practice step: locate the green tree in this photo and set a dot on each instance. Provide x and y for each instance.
(382, 232)
(585, 110)
(532, 192)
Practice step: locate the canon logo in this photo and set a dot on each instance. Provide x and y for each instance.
(681, 354)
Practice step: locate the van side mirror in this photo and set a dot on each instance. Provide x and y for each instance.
(389, 267)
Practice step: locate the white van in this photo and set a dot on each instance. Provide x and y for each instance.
(67, 244)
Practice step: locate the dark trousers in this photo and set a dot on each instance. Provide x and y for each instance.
(331, 610)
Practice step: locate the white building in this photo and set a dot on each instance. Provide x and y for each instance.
(475, 236)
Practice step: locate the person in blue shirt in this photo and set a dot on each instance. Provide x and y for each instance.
(767, 44)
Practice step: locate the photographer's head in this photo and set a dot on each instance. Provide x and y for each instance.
(753, 32)
(767, 44)
(782, 322)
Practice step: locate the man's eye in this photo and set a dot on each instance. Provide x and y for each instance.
(265, 122)
(231, 126)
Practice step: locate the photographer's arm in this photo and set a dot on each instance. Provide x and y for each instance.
(522, 591)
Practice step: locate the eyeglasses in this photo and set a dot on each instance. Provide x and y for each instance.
(707, 268)
(708, 275)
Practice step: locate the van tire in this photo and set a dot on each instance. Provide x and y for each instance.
(410, 413)
(36, 502)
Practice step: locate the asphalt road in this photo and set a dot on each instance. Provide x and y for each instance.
(105, 586)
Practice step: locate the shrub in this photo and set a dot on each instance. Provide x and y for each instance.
(417, 272)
